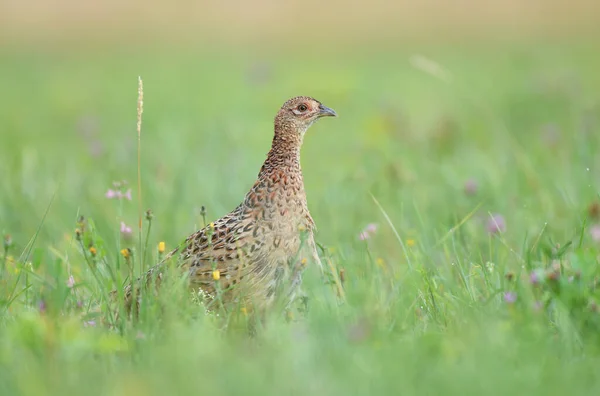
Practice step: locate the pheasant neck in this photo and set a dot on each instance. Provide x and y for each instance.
(285, 152)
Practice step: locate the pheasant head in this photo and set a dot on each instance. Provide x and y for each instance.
(298, 114)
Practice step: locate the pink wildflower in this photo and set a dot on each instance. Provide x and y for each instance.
(125, 230)
(595, 232)
(110, 194)
(370, 229)
(126, 195)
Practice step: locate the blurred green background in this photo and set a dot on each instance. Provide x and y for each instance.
(474, 125)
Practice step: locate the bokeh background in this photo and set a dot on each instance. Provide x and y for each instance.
(421, 86)
(474, 124)
(269, 21)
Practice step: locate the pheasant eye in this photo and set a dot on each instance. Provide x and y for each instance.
(302, 107)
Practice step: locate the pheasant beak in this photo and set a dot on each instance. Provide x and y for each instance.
(325, 111)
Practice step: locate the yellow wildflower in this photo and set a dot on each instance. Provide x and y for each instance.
(379, 262)
(212, 226)
(161, 247)
(125, 253)
(244, 311)
(303, 261)
(410, 242)
(93, 250)
(216, 274)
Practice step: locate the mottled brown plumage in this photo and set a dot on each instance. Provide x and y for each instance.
(261, 247)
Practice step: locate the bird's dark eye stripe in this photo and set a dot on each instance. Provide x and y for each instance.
(302, 107)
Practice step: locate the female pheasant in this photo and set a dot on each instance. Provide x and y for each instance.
(258, 251)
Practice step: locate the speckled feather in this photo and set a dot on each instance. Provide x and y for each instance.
(263, 242)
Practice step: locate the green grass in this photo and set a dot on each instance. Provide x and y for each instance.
(424, 310)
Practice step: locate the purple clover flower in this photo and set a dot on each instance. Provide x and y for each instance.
(510, 297)
(496, 224)
(471, 187)
(595, 232)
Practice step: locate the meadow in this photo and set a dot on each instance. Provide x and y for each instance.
(456, 198)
